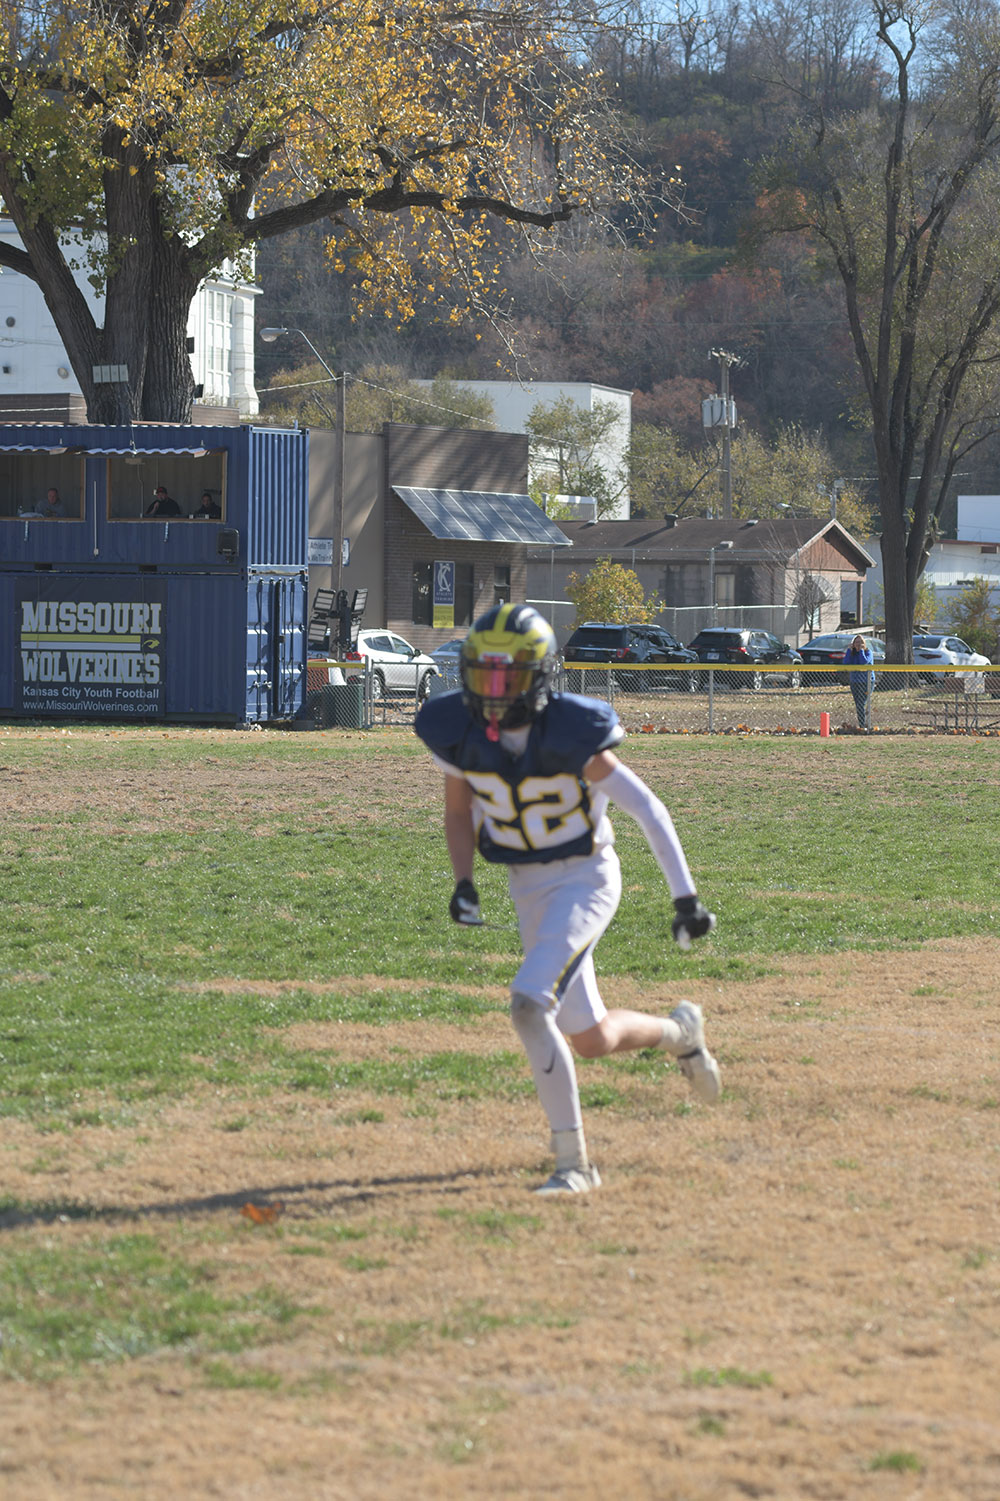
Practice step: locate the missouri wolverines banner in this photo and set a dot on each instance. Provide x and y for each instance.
(94, 647)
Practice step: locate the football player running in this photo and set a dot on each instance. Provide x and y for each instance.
(528, 776)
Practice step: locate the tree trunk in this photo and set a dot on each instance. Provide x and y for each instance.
(898, 593)
(168, 387)
(128, 194)
(898, 599)
(152, 277)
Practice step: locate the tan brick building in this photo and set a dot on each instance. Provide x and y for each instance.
(421, 504)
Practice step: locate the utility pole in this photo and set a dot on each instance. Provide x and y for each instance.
(727, 442)
(339, 478)
(833, 495)
(720, 411)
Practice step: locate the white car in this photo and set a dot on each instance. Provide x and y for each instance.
(948, 651)
(396, 666)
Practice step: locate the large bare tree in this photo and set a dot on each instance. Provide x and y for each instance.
(903, 199)
(155, 139)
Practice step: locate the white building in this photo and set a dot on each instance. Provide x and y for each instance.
(514, 402)
(33, 361)
(974, 554)
(979, 520)
(953, 564)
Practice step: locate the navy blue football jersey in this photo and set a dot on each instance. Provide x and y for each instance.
(531, 805)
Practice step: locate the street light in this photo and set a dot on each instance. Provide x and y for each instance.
(269, 336)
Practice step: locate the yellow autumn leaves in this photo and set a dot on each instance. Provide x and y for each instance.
(412, 129)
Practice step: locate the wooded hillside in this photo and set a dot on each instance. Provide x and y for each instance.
(710, 92)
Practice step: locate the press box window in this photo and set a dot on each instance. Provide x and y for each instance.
(26, 480)
(134, 478)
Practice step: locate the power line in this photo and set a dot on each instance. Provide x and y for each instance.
(362, 380)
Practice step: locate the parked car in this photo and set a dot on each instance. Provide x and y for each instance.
(448, 656)
(829, 650)
(945, 651)
(602, 641)
(397, 667)
(449, 651)
(727, 645)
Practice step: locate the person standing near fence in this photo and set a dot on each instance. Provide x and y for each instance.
(862, 683)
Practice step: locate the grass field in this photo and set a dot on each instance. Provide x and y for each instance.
(267, 1142)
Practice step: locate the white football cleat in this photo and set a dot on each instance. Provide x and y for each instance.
(571, 1180)
(693, 1058)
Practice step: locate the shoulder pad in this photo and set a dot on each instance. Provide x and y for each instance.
(442, 722)
(576, 728)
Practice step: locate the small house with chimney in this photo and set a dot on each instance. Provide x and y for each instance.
(796, 577)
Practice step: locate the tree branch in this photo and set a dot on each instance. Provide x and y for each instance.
(12, 258)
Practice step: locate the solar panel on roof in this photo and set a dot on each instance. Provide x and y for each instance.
(481, 516)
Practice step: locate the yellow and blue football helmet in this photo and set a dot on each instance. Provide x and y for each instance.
(507, 663)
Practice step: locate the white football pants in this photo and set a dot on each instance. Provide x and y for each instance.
(562, 910)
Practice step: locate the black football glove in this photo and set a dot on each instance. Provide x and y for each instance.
(464, 905)
(692, 921)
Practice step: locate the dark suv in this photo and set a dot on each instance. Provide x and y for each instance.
(726, 646)
(650, 645)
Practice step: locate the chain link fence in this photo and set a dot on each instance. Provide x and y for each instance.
(698, 699)
(813, 700)
(353, 696)
(781, 620)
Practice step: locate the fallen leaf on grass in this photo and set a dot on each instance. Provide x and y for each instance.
(261, 1214)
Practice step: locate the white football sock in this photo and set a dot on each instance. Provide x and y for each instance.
(551, 1062)
(670, 1042)
(570, 1149)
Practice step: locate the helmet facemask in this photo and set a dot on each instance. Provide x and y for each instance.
(504, 694)
(507, 663)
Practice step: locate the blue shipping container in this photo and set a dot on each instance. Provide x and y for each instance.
(107, 479)
(168, 646)
(113, 612)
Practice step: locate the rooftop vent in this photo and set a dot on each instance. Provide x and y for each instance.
(574, 507)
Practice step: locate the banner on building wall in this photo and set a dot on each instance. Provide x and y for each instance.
(90, 647)
(444, 595)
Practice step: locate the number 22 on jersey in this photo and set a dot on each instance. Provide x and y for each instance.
(540, 814)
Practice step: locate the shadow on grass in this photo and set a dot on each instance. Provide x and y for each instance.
(294, 1199)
